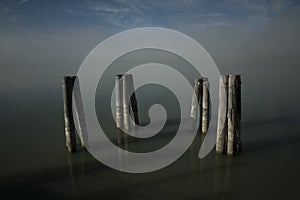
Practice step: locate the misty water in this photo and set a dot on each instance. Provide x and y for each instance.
(35, 163)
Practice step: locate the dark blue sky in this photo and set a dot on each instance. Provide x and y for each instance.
(56, 15)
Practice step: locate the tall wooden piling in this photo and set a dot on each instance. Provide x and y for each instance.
(196, 103)
(119, 100)
(239, 113)
(80, 116)
(67, 86)
(133, 100)
(221, 142)
(234, 113)
(126, 102)
(205, 105)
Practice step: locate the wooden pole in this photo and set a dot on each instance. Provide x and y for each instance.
(133, 100)
(126, 102)
(119, 100)
(233, 112)
(239, 113)
(221, 142)
(67, 86)
(196, 103)
(80, 116)
(205, 105)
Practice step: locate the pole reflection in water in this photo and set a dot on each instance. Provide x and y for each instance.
(194, 149)
(76, 165)
(198, 164)
(71, 169)
(127, 143)
(119, 137)
(223, 177)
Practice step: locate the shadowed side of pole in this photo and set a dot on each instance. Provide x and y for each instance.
(67, 86)
(133, 100)
(238, 95)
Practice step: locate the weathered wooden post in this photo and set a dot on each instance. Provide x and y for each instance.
(239, 113)
(119, 100)
(234, 82)
(196, 103)
(67, 86)
(82, 129)
(205, 105)
(133, 100)
(221, 142)
(126, 102)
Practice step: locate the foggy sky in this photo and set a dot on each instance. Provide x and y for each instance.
(258, 39)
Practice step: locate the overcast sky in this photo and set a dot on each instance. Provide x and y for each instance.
(31, 29)
(259, 39)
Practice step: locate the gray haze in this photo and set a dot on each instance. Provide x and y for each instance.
(41, 42)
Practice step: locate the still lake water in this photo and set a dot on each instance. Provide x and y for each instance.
(34, 162)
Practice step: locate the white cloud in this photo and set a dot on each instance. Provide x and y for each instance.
(22, 1)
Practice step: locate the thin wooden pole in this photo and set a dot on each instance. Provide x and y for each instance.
(119, 100)
(126, 102)
(222, 115)
(205, 105)
(239, 113)
(133, 107)
(80, 116)
(67, 86)
(133, 100)
(233, 113)
(196, 103)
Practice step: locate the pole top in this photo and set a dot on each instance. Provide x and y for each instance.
(118, 76)
(234, 79)
(198, 81)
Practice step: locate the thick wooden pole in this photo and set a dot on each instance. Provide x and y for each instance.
(196, 103)
(205, 105)
(67, 86)
(221, 142)
(233, 112)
